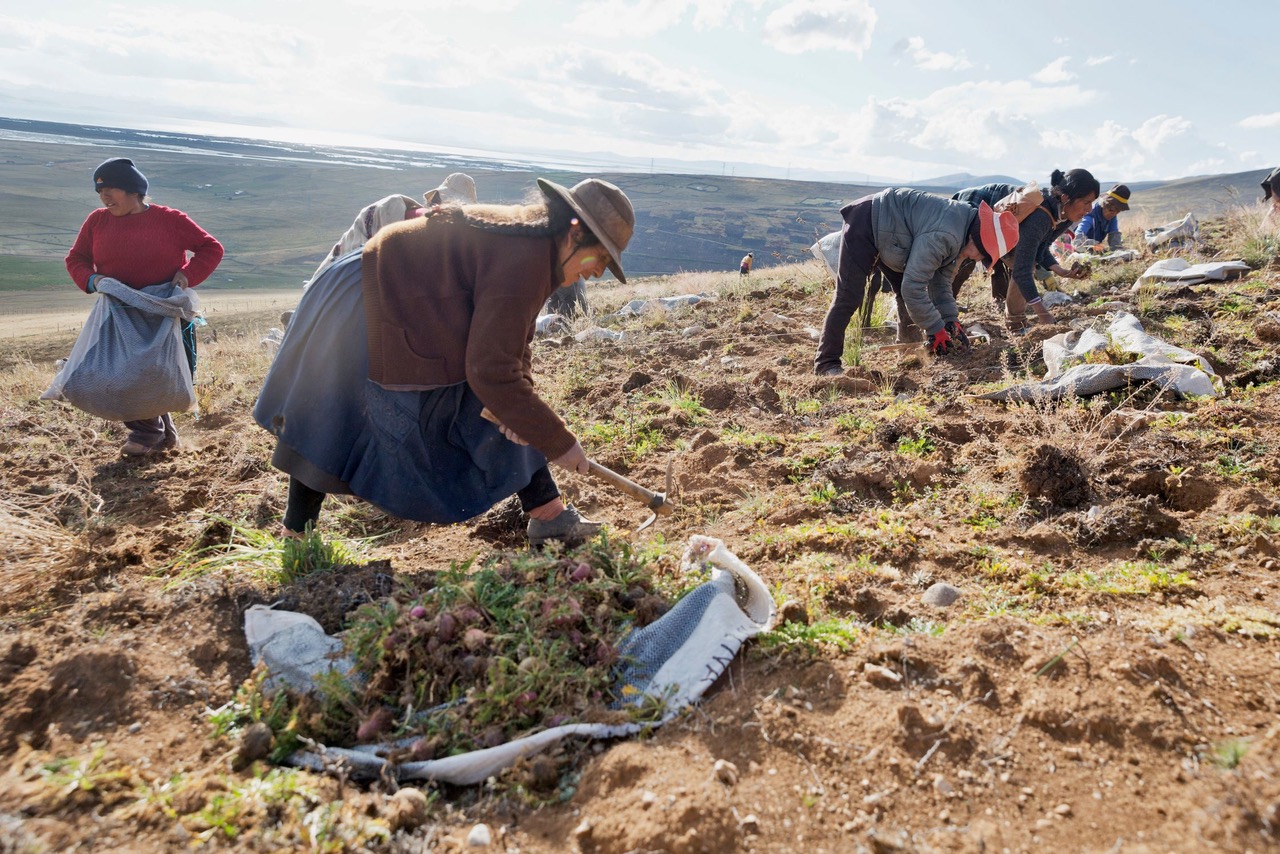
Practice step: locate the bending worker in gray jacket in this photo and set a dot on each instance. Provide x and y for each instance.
(917, 239)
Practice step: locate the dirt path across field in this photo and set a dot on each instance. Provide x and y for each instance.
(34, 314)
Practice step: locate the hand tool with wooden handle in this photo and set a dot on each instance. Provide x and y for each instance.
(655, 501)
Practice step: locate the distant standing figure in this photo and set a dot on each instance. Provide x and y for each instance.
(141, 244)
(1271, 193)
(744, 267)
(457, 189)
(1100, 226)
(917, 239)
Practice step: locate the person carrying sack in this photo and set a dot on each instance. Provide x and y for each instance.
(141, 245)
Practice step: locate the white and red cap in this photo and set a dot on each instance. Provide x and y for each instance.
(999, 232)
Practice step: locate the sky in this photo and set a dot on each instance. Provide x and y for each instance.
(825, 89)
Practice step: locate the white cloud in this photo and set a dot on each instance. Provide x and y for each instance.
(1098, 60)
(1054, 72)
(929, 60)
(805, 25)
(641, 18)
(1261, 120)
(1157, 131)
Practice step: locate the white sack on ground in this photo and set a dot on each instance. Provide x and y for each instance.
(1126, 330)
(1070, 349)
(827, 250)
(1161, 363)
(672, 661)
(1053, 299)
(293, 646)
(1117, 256)
(599, 333)
(551, 324)
(640, 306)
(1178, 233)
(1179, 271)
(129, 362)
(1084, 380)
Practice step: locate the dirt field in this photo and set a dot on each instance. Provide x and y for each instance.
(1107, 680)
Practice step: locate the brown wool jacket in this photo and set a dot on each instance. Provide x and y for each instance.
(447, 302)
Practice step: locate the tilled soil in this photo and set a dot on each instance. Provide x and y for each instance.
(1107, 680)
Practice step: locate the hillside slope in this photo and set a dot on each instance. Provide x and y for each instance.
(1105, 680)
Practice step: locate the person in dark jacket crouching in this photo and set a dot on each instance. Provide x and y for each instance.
(917, 239)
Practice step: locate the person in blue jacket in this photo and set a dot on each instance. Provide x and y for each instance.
(1100, 228)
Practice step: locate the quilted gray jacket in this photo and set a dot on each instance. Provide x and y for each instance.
(921, 236)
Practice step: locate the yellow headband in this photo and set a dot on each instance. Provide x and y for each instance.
(1119, 199)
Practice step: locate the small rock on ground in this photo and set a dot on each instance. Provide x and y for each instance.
(940, 595)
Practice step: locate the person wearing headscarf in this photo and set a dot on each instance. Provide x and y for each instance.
(457, 189)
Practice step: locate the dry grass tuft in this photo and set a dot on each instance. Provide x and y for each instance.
(35, 551)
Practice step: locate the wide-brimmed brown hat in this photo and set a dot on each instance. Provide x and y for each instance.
(458, 189)
(605, 210)
(1118, 196)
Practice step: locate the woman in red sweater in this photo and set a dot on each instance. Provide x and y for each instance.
(141, 244)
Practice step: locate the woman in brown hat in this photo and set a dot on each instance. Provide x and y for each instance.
(394, 353)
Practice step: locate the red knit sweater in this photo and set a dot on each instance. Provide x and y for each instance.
(142, 249)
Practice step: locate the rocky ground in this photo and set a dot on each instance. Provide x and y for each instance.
(1108, 678)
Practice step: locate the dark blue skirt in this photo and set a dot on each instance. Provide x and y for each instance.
(421, 455)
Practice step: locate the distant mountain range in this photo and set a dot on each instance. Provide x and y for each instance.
(279, 206)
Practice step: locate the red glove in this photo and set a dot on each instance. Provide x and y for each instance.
(941, 344)
(958, 336)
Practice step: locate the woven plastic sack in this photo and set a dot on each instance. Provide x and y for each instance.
(672, 661)
(827, 250)
(129, 362)
(1161, 363)
(1183, 232)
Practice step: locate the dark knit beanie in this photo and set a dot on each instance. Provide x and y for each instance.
(120, 173)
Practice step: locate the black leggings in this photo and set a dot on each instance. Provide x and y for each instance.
(303, 507)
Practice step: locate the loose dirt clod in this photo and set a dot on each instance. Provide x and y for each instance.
(1057, 475)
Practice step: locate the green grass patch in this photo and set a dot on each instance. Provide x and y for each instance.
(814, 638)
(230, 546)
(1126, 578)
